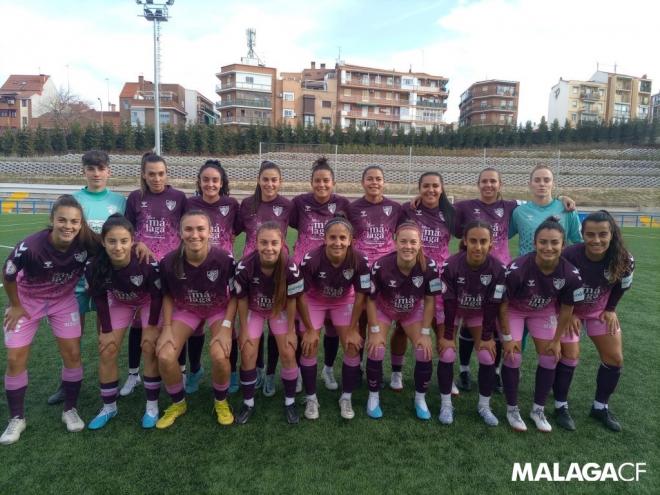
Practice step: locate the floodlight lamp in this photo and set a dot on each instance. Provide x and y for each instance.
(170, 2)
(139, 2)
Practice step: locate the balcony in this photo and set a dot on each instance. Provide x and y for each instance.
(232, 85)
(590, 95)
(645, 86)
(431, 104)
(494, 108)
(430, 89)
(244, 120)
(371, 84)
(371, 116)
(373, 101)
(505, 92)
(241, 102)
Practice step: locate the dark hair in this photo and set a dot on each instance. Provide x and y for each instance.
(321, 163)
(86, 236)
(444, 204)
(256, 198)
(102, 264)
(95, 158)
(149, 158)
(181, 252)
(279, 270)
(617, 257)
(550, 223)
(410, 225)
(474, 224)
(499, 178)
(340, 219)
(372, 167)
(215, 165)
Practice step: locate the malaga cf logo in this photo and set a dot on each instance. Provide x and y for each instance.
(212, 275)
(558, 283)
(277, 210)
(136, 280)
(332, 207)
(387, 210)
(485, 279)
(224, 210)
(417, 281)
(499, 212)
(348, 273)
(80, 257)
(171, 204)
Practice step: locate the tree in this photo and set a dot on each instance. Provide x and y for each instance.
(8, 142)
(25, 142)
(554, 132)
(168, 139)
(543, 135)
(74, 138)
(64, 108)
(92, 137)
(125, 137)
(42, 141)
(140, 137)
(211, 138)
(108, 137)
(58, 140)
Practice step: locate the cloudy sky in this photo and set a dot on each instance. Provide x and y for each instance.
(95, 44)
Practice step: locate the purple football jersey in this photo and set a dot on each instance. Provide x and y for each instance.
(156, 218)
(309, 216)
(204, 289)
(259, 288)
(396, 293)
(277, 210)
(497, 214)
(133, 285)
(327, 283)
(224, 218)
(435, 231)
(472, 288)
(599, 293)
(43, 272)
(375, 225)
(529, 290)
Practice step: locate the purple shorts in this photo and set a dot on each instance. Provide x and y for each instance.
(278, 325)
(339, 311)
(193, 320)
(439, 310)
(416, 315)
(62, 315)
(541, 325)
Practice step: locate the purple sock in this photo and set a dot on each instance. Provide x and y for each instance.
(350, 373)
(260, 353)
(374, 374)
(15, 388)
(563, 378)
(71, 382)
(397, 361)
(465, 346)
(176, 391)
(183, 354)
(109, 392)
(544, 379)
(152, 387)
(233, 355)
(308, 367)
(273, 354)
(606, 381)
(289, 378)
(248, 379)
(220, 390)
(195, 348)
(486, 379)
(498, 352)
(423, 374)
(445, 375)
(134, 347)
(330, 349)
(510, 381)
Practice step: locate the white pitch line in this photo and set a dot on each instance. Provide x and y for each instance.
(6, 247)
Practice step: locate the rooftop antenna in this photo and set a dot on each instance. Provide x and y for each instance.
(252, 58)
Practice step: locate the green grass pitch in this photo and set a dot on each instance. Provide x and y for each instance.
(398, 454)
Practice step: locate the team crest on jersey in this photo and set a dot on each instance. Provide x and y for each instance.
(81, 256)
(48, 264)
(441, 216)
(348, 273)
(136, 280)
(332, 207)
(171, 204)
(387, 210)
(558, 282)
(112, 209)
(499, 212)
(477, 211)
(157, 283)
(143, 204)
(485, 279)
(308, 208)
(224, 210)
(10, 269)
(212, 275)
(277, 210)
(418, 281)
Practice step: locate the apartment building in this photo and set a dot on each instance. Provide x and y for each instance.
(308, 97)
(628, 97)
(137, 103)
(578, 102)
(199, 109)
(23, 98)
(655, 107)
(247, 94)
(377, 98)
(490, 103)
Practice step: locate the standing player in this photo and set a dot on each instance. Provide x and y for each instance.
(542, 288)
(198, 284)
(122, 286)
(213, 199)
(154, 210)
(98, 203)
(309, 215)
(268, 283)
(265, 205)
(404, 284)
(473, 291)
(606, 268)
(337, 280)
(40, 276)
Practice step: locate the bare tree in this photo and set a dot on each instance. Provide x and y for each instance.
(63, 108)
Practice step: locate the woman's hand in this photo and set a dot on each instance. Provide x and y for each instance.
(488, 345)
(425, 343)
(612, 321)
(310, 342)
(13, 314)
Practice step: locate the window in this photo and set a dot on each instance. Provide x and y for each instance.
(574, 117)
(484, 89)
(388, 95)
(377, 79)
(407, 81)
(347, 91)
(390, 81)
(574, 103)
(347, 107)
(25, 121)
(308, 120)
(365, 94)
(288, 113)
(126, 104)
(501, 118)
(377, 94)
(326, 121)
(165, 118)
(365, 78)
(287, 96)
(137, 116)
(249, 79)
(24, 103)
(574, 89)
(326, 104)
(483, 117)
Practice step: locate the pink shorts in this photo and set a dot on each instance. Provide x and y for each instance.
(193, 320)
(339, 312)
(62, 315)
(541, 325)
(592, 324)
(122, 315)
(278, 325)
(416, 315)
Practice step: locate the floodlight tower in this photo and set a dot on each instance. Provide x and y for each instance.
(156, 13)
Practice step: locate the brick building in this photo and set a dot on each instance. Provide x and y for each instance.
(490, 103)
(23, 98)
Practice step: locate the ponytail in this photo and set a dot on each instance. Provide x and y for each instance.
(551, 223)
